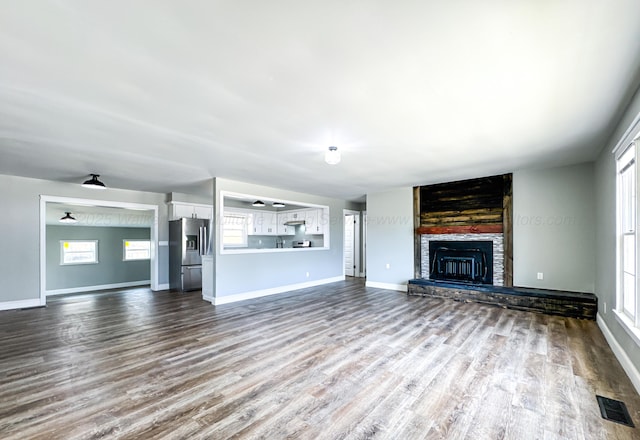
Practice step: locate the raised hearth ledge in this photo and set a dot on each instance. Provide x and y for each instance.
(551, 302)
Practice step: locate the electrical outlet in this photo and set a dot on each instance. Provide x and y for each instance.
(307, 274)
(605, 307)
(540, 276)
(387, 266)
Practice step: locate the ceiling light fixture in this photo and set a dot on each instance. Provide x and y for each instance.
(258, 203)
(94, 182)
(68, 218)
(332, 156)
(278, 205)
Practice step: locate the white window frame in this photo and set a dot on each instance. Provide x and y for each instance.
(629, 321)
(73, 263)
(241, 224)
(134, 240)
(626, 212)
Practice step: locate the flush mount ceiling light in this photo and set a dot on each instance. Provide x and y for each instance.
(278, 205)
(68, 218)
(94, 182)
(332, 156)
(258, 203)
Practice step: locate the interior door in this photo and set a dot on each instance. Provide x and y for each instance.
(349, 245)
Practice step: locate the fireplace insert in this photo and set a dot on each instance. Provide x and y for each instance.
(462, 261)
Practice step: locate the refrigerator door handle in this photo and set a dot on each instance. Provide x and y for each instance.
(203, 237)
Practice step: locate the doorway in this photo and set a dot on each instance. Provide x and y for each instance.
(351, 242)
(50, 200)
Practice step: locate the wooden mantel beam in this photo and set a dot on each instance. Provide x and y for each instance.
(470, 229)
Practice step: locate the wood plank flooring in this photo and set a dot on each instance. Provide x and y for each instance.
(339, 361)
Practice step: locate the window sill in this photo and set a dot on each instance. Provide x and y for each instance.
(628, 326)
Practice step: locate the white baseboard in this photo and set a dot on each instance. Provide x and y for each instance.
(211, 299)
(163, 287)
(274, 290)
(387, 286)
(362, 275)
(100, 287)
(21, 304)
(620, 354)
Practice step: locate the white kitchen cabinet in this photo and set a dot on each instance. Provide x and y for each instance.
(282, 229)
(203, 211)
(270, 223)
(179, 210)
(263, 223)
(315, 221)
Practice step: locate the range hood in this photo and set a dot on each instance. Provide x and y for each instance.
(294, 222)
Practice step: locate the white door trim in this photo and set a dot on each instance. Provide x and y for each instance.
(44, 199)
(356, 241)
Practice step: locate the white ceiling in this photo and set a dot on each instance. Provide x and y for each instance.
(159, 95)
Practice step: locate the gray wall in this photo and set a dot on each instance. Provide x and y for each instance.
(554, 228)
(390, 236)
(111, 269)
(20, 228)
(240, 273)
(605, 267)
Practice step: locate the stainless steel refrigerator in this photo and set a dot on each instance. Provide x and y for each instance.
(188, 242)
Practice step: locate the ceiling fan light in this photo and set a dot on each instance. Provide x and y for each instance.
(68, 218)
(94, 183)
(332, 156)
(258, 204)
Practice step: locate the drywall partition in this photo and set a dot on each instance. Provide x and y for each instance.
(20, 231)
(243, 276)
(554, 228)
(627, 350)
(390, 240)
(111, 269)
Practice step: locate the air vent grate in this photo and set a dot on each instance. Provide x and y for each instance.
(614, 410)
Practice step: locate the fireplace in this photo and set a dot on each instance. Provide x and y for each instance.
(461, 261)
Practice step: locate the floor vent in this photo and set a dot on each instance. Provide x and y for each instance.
(615, 411)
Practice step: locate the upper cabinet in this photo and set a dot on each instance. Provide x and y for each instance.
(282, 229)
(179, 210)
(263, 223)
(315, 221)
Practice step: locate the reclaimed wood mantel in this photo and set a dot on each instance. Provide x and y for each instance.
(469, 229)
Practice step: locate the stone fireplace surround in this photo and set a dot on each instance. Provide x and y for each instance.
(498, 251)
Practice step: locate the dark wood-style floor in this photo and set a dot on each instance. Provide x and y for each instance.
(332, 362)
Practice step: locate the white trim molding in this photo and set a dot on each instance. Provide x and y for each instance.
(629, 135)
(218, 300)
(163, 286)
(21, 304)
(387, 286)
(620, 354)
(98, 287)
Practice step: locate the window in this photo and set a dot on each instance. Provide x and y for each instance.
(136, 250)
(627, 232)
(234, 231)
(78, 252)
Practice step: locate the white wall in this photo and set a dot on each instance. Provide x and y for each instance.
(390, 238)
(554, 228)
(20, 228)
(253, 274)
